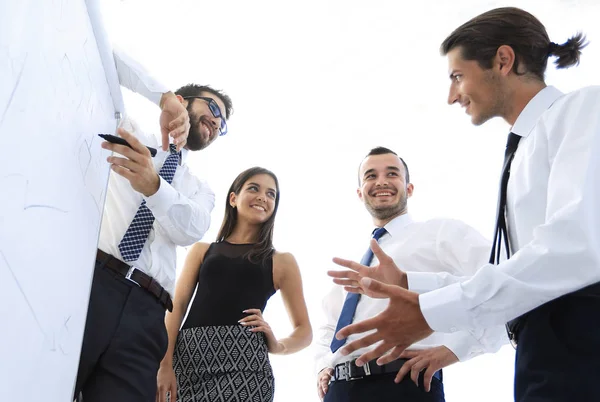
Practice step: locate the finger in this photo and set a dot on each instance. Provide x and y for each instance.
(262, 328)
(355, 266)
(427, 377)
(249, 318)
(253, 311)
(377, 289)
(379, 253)
(179, 121)
(403, 371)
(410, 353)
(346, 282)
(124, 150)
(160, 394)
(373, 354)
(420, 365)
(252, 323)
(358, 328)
(133, 141)
(173, 391)
(121, 171)
(344, 275)
(352, 289)
(394, 354)
(179, 132)
(124, 162)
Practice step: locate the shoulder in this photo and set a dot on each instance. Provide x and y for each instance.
(284, 259)
(198, 250)
(447, 228)
(580, 97)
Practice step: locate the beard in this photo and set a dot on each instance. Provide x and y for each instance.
(497, 100)
(387, 211)
(195, 142)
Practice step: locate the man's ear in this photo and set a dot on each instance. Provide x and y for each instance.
(409, 190)
(180, 98)
(359, 193)
(504, 60)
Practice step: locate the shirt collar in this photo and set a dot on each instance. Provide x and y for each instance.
(184, 155)
(396, 225)
(534, 110)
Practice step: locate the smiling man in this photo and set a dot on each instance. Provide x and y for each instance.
(153, 205)
(548, 289)
(439, 245)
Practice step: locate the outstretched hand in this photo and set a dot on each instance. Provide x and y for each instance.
(397, 327)
(386, 271)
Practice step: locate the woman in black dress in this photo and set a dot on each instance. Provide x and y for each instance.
(222, 351)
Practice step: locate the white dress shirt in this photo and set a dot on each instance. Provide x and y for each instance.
(553, 213)
(439, 245)
(181, 209)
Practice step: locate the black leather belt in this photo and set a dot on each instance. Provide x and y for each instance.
(349, 371)
(133, 274)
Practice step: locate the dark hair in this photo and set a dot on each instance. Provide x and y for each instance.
(263, 248)
(383, 151)
(480, 38)
(196, 90)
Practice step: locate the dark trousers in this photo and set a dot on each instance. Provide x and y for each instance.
(124, 341)
(382, 388)
(558, 352)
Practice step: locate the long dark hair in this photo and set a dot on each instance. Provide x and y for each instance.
(263, 248)
(480, 38)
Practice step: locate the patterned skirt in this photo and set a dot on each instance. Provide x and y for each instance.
(222, 363)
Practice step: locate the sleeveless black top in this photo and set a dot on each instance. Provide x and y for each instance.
(228, 283)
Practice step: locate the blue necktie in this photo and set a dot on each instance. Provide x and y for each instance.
(349, 308)
(136, 235)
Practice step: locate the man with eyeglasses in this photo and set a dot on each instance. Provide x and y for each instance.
(153, 205)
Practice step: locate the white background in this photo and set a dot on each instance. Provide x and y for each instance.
(315, 85)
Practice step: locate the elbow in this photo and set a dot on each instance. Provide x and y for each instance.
(307, 335)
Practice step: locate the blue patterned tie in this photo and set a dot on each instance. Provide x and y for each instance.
(136, 235)
(349, 308)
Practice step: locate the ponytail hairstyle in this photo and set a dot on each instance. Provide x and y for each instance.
(480, 38)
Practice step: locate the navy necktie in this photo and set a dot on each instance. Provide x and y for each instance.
(501, 231)
(137, 233)
(351, 302)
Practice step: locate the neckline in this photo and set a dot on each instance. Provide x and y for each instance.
(239, 244)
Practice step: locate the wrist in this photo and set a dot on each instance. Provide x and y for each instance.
(164, 97)
(404, 280)
(166, 363)
(154, 188)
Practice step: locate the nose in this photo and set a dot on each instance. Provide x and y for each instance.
(453, 96)
(381, 180)
(216, 122)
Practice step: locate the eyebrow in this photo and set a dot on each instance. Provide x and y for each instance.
(394, 168)
(258, 185)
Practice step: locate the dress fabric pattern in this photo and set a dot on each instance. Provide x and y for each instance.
(222, 363)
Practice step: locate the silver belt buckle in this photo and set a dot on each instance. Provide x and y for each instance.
(129, 273)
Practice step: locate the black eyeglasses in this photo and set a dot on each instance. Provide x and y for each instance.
(214, 109)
